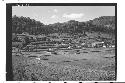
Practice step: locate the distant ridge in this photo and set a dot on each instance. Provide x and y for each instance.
(104, 24)
(108, 21)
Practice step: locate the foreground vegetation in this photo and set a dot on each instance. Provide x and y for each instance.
(33, 69)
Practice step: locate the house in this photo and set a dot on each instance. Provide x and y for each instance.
(63, 46)
(104, 46)
(30, 47)
(55, 40)
(14, 49)
(82, 44)
(108, 44)
(43, 38)
(17, 44)
(97, 44)
(112, 46)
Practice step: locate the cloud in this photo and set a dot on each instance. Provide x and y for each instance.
(49, 11)
(55, 10)
(54, 16)
(73, 15)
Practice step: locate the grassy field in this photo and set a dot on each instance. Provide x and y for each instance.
(87, 64)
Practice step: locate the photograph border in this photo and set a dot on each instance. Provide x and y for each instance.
(9, 71)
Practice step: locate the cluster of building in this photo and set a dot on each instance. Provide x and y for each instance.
(63, 42)
(46, 42)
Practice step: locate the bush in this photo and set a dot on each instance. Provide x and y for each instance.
(41, 70)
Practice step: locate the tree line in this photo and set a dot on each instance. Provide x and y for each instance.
(103, 24)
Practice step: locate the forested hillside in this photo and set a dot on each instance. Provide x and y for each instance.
(104, 24)
(25, 24)
(107, 21)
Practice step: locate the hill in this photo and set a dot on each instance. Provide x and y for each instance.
(107, 21)
(104, 24)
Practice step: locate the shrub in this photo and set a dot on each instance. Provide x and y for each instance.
(27, 69)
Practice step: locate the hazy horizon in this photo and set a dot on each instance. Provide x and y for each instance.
(55, 14)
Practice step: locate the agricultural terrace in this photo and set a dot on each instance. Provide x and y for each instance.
(63, 58)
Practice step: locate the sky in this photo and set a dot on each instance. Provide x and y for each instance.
(54, 14)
